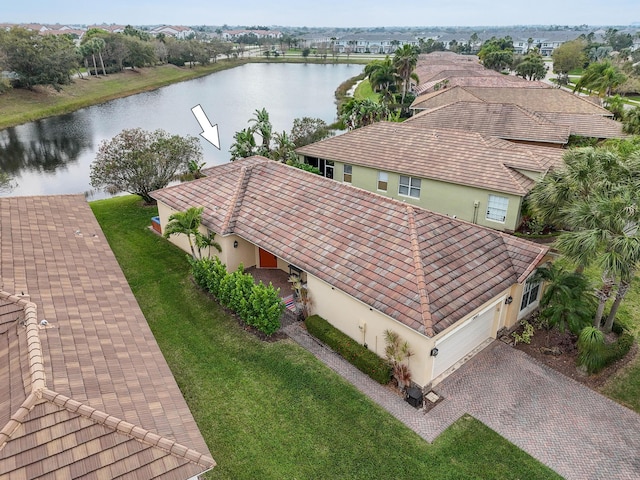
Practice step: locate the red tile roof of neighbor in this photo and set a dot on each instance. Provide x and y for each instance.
(535, 99)
(421, 268)
(90, 394)
(453, 156)
(503, 120)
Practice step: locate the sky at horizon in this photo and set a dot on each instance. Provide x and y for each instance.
(329, 13)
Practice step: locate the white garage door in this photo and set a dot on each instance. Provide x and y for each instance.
(461, 341)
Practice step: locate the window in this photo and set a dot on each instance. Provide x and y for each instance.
(346, 174)
(497, 208)
(409, 186)
(530, 294)
(383, 181)
(328, 169)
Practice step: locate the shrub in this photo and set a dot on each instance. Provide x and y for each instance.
(257, 305)
(591, 349)
(526, 335)
(265, 308)
(359, 356)
(595, 355)
(216, 272)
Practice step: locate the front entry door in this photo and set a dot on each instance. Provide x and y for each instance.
(267, 260)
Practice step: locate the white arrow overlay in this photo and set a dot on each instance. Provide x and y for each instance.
(209, 132)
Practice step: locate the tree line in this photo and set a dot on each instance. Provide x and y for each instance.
(31, 59)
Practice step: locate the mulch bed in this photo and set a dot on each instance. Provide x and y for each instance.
(561, 354)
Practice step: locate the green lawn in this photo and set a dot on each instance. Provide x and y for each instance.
(364, 91)
(271, 410)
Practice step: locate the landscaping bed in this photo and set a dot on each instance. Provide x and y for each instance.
(561, 354)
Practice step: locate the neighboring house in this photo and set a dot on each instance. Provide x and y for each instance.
(109, 28)
(234, 34)
(380, 43)
(548, 100)
(176, 31)
(463, 174)
(517, 124)
(86, 392)
(370, 263)
(579, 115)
(440, 70)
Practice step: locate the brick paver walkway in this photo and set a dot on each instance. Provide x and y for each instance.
(577, 432)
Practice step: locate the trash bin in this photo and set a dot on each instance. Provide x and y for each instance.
(414, 397)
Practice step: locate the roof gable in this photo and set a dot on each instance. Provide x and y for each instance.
(409, 263)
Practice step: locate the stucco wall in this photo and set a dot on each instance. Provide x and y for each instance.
(447, 198)
(346, 314)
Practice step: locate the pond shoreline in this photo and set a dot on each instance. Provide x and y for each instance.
(20, 106)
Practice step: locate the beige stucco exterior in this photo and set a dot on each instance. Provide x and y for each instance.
(355, 318)
(464, 202)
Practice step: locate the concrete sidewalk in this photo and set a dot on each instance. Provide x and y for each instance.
(577, 432)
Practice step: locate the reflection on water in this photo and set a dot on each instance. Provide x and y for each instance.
(45, 145)
(53, 156)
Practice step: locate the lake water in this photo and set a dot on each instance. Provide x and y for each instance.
(53, 156)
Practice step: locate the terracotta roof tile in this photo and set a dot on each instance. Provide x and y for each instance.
(94, 368)
(553, 100)
(587, 125)
(502, 120)
(453, 156)
(362, 243)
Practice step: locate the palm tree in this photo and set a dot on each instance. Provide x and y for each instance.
(185, 223)
(244, 145)
(360, 113)
(565, 302)
(603, 77)
(284, 150)
(594, 196)
(188, 223)
(605, 232)
(405, 61)
(383, 77)
(631, 121)
(262, 126)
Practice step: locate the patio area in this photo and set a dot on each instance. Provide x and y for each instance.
(278, 278)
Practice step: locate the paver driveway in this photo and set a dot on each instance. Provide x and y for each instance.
(577, 432)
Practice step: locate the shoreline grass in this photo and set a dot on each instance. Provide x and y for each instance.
(272, 410)
(18, 106)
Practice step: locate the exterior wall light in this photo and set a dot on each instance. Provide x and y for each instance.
(508, 300)
(235, 244)
(434, 352)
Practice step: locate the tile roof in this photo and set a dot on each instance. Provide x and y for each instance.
(421, 268)
(502, 120)
(454, 156)
(535, 99)
(492, 81)
(90, 394)
(587, 125)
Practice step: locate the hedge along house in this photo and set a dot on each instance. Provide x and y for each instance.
(370, 263)
(458, 173)
(84, 389)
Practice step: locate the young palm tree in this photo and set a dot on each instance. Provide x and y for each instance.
(262, 126)
(188, 223)
(244, 145)
(565, 302)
